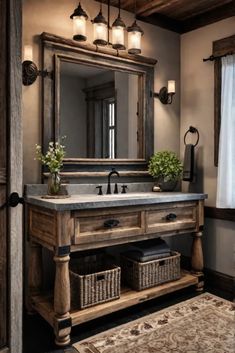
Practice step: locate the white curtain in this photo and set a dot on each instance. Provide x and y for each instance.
(226, 162)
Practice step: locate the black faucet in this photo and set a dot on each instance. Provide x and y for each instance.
(113, 171)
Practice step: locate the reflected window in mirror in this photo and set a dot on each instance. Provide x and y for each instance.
(110, 131)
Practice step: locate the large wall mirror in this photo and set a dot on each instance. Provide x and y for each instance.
(99, 112)
(101, 102)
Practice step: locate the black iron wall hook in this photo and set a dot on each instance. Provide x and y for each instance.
(192, 130)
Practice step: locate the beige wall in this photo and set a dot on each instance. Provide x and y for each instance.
(53, 16)
(197, 109)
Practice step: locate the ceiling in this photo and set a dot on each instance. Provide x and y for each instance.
(179, 15)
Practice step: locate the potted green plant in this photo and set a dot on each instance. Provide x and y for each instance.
(53, 159)
(166, 168)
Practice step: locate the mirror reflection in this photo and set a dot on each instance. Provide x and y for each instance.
(98, 112)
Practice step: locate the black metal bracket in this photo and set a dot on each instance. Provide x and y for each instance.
(213, 57)
(163, 96)
(30, 73)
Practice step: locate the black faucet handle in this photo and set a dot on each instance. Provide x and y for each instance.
(100, 189)
(124, 187)
(116, 189)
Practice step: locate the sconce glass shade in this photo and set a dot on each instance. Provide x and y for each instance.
(100, 30)
(134, 39)
(28, 53)
(79, 18)
(118, 29)
(171, 86)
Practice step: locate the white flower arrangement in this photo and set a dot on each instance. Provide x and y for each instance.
(54, 156)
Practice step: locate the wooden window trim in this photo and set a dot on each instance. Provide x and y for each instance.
(220, 47)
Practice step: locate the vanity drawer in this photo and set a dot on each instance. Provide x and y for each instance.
(172, 217)
(107, 225)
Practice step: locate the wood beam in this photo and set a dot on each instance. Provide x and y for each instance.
(152, 7)
(218, 14)
(128, 5)
(162, 21)
(125, 4)
(189, 10)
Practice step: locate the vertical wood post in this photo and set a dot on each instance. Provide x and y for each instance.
(62, 326)
(15, 177)
(35, 272)
(197, 259)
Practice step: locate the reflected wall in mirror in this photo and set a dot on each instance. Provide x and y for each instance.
(98, 111)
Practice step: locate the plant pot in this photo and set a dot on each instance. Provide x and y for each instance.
(167, 185)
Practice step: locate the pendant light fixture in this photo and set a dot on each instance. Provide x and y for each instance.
(118, 28)
(100, 26)
(134, 37)
(79, 18)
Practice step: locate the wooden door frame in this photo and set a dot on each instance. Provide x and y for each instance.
(14, 173)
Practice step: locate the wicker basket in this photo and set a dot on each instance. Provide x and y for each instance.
(142, 275)
(93, 284)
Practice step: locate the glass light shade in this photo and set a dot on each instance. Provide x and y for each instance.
(28, 53)
(171, 86)
(100, 34)
(134, 42)
(79, 28)
(118, 37)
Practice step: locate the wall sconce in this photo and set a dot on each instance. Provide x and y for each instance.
(79, 18)
(165, 95)
(30, 71)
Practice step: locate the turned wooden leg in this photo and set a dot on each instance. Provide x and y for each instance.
(62, 324)
(197, 260)
(34, 274)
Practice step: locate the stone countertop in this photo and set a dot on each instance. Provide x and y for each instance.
(90, 201)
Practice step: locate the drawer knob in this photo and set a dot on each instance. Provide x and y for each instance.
(171, 217)
(111, 223)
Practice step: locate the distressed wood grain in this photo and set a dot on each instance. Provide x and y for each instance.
(3, 176)
(16, 173)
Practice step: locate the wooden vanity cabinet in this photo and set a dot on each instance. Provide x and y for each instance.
(64, 232)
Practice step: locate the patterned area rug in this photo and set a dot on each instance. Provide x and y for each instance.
(204, 324)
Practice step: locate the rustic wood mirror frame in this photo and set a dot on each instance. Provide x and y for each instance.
(55, 49)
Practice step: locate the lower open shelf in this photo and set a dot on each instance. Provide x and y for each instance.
(43, 304)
